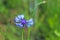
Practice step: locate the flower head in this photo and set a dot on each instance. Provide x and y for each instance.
(21, 21)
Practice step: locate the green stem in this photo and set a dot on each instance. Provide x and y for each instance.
(22, 34)
(35, 12)
(28, 35)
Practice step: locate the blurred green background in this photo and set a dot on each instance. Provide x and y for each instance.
(46, 19)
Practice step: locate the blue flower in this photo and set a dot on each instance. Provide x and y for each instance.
(21, 21)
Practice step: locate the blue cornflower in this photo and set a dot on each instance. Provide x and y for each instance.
(21, 21)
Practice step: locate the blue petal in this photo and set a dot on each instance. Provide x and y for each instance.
(18, 18)
(19, 24)
(21, 16)
(29, 22)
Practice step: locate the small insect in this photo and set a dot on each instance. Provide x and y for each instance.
(22, 22)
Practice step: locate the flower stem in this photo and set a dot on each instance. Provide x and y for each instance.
(22, 34)
(28, 35)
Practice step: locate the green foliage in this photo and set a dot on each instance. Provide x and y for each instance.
(14, 3)
(4, 13)
(46, 19)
